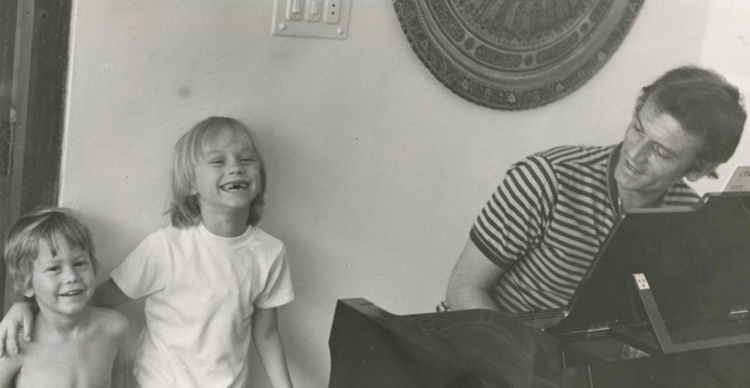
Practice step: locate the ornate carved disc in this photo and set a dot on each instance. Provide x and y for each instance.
(515, 54)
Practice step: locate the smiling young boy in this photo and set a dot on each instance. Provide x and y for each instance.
(50, 256)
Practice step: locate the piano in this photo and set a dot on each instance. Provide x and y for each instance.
(666, 303)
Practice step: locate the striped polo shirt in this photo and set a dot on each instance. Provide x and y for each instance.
(545, 222)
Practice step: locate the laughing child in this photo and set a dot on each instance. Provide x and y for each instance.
(212, 280)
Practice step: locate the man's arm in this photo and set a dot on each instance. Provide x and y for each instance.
(472, 280)
(270, 348)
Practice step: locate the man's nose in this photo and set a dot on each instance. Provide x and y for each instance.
(638, 151)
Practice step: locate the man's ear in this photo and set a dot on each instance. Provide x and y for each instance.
(701, 171)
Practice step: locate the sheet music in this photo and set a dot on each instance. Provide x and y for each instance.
(740, 180)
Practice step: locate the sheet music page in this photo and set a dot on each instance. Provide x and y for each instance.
(740, 180)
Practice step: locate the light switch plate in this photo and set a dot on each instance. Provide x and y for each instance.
(311, 18)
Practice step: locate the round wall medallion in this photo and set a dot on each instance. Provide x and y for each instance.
(515, 54)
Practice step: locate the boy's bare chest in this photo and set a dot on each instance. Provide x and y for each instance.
(75, 364)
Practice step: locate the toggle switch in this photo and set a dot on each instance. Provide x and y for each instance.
(313, 10)
(294, 10)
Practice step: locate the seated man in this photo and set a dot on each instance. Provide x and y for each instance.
(536, 237)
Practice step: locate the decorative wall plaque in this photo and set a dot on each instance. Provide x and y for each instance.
(515, 54)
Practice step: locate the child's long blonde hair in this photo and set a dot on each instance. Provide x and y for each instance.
(185, 209)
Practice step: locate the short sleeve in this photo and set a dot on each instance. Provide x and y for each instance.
(516, 216)
(146, 270)
(278, 288)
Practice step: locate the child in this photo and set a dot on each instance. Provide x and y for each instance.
(50, 256)
(212, 280)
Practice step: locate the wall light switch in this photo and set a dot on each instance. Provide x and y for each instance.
(314, 10)
(294, 10)
(302, 18)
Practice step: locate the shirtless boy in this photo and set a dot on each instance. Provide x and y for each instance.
(50, 256)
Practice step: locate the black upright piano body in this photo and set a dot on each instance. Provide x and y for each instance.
(665, 304)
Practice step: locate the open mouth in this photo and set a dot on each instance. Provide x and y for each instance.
(72, 293)
(235, 186)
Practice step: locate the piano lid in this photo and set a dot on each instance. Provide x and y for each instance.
(460, 349)
(695, 259)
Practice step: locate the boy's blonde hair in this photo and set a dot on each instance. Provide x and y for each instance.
(184, 209)
(22, 242)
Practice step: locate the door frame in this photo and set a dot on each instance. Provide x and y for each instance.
(38, 34)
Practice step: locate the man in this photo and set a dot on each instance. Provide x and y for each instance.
(535, 239)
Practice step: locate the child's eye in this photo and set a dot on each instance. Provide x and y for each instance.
(216, 162)
(82, 263)
(53, 268)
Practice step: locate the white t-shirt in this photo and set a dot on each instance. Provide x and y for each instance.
(201, 291)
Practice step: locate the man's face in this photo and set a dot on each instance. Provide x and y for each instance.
(656, 152)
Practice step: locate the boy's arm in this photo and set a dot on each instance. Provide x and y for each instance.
(120, 368)
(9, 368)
(270, 348)
(20, 315)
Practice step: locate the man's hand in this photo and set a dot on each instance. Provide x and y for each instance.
(20, 315)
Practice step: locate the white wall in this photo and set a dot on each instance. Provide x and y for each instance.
(726, 48)
(376, 170)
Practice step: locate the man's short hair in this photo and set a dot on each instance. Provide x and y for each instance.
(40, 226)
(706, 106)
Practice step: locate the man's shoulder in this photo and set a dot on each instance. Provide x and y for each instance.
(583, 159)
(576, 154)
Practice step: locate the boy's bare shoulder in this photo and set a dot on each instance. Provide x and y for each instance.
(111, 321)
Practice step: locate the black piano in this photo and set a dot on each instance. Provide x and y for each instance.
(666, 303)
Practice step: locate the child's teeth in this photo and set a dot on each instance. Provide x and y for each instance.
(235, 186)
